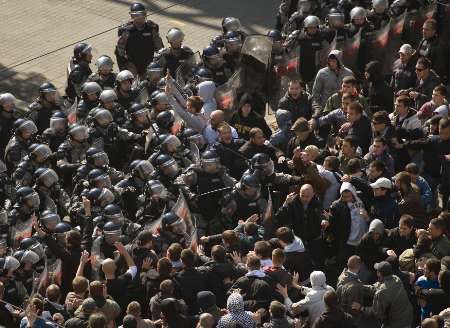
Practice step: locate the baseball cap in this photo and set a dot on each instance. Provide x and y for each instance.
(382, 183)
(385, 268)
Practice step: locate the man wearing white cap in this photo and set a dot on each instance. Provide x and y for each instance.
(404, 75)
(385, 206)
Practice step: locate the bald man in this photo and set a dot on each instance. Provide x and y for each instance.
(349, 288)
(210, 133)
(302, 212)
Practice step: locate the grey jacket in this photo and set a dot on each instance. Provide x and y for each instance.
(390, 304)
(327, 82)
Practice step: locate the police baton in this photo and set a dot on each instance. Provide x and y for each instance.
(214, 191)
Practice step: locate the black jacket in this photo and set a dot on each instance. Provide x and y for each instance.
(243, 125)
(301, 107)
(257, 292)
(335, 318)
(362, 129)
(189, 282)
(304, 223)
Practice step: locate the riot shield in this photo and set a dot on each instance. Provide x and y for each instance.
(184, 72)
(350, 51)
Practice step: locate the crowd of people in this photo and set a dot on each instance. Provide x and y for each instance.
(160, 196)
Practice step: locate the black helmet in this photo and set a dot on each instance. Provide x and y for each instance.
(210, 51)
(113, 212)
(154, 188)
(143, 170)
(47, 178)
(97, 157)
(25, 126)
(81, 49)
(27, 196)
(167, 165)
(137, 109)
(49, 220)
(263, 163)
(40, 152)
(46, 87)
(93, 194)
(154, 69)
(34, 245)
(106, 197)
(336, 18)
(62, 227)
(24, 256)
(112, 231)
(79, 132)
(169, 143)
(159, 97)
(90, 88)
(275, 35)
(165, 120)
(231, 24)
(232, 36)
(173, 223)
(249, 186)
(203, 74)
(103, 118)
(137, 8)
(58, 121)
(210, 161)
(99, 178)
(190, 135)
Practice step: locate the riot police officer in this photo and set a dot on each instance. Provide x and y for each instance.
(295, 22)
(159, 102)
(48, 221)
(12, 292)
(96, 158)
(56, 134)
(243, 201)
(358, 16)
(176, 54)
(90, 93)
(173, 230)
(25, 274)
(155, 202)
(104, 77)
(108, 100)
(105, 134)
(20, 217)
(131, 187)
(213, 61)
(39, 157)
(138, 41)
(207, 183)
(154, 73)
(8, 114)
(71, 153)
(166, 171)
(336, 29)
(379, 14)
(171, 145)
(233, 45)
(277, 69)
(190, 136)
(311, 41)
(17, 147)
(126, 93)
(79, 70)
(51, 196)
(138, 118)
(44, 106)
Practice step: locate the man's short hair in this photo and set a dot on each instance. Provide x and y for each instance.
(441, 89)
(405, 100)
(187, 257)
(253, 132)
(425, 62)
(277, 310)
(285, 235)
(350, 80)
(407, 220)
(356, 106)
(262, 248)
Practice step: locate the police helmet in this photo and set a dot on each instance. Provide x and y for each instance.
(165, 119)
(108, 96)
(62, 227)
(90, 88)
(40, 152)
(175, 35)
(103, 118)
(104, 61)
(124, 76)
(49, 220)
(58, 121)
(47, 87)
(358, 12)
(137, 8)
(79, 132)
(275, 35)
(311, 21)
(231, 24)
(143, 169)
(81, 49)
(47, 178)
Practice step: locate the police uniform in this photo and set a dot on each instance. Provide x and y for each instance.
(169, 61)
(77, 76)
(137, 46)
(106, 82)
(41, 114)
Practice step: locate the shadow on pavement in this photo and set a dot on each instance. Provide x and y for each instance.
(206, 9)
(23, 86)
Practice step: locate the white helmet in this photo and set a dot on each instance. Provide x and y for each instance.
(311, 21)
(358, 12)
(175, 35)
